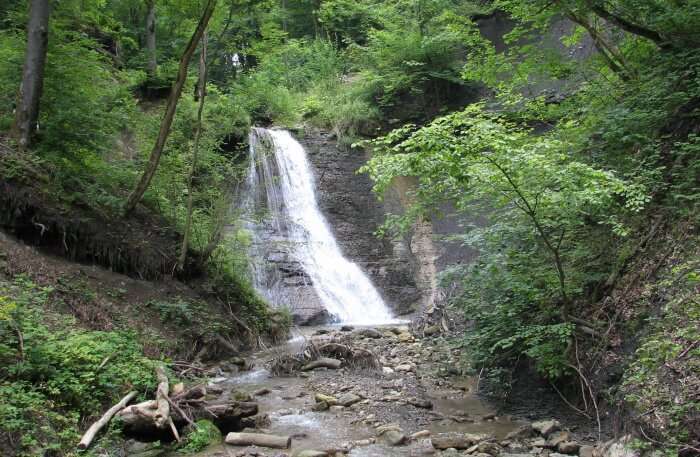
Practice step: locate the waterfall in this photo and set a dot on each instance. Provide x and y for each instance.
(295, 256)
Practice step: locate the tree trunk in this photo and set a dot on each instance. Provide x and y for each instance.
(201, 93)
(167, 121)
(152, 63)
(27, 113)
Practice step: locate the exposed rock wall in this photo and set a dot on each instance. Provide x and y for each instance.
(354, 213)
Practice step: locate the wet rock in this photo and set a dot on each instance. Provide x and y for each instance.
(431, 330)
(489, 448)
(347, 328)
(556, 438)
(395, 437)
(406, 337)
(239, 395)
(456, 440)
(539, 442)
(421, 403)
(238, 361)
(586, 451)
(320, 406)
(348, 399)
(323, 398)
(139, 449)
(261, 392)
(547, 427)
(524, 431)
(568, 447)
(370, 333)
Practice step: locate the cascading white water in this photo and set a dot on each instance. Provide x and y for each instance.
(281, 181)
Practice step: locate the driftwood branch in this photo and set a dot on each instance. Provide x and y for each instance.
(94, 429)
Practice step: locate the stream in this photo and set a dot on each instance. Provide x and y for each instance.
(387, 398)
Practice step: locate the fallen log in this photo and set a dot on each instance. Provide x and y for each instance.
(162, 405)
(94, 429)
(259, 439)
(323, 362)
(141, 418)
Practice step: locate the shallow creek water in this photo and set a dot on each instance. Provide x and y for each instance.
(288, 406)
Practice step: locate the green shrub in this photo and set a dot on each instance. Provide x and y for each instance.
(204, 435)
(54, 374)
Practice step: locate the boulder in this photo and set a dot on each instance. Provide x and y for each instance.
(546, 427)
(568, 447)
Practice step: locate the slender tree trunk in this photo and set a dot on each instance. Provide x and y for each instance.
(201, 92)
(27, 113)
(152, 63)
(167, 121)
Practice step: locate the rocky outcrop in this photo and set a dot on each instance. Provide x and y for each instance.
(354, 213)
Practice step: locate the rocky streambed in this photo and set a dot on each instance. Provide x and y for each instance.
(393, 395)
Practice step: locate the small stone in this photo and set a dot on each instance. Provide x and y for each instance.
(323, 398)
(547, 427)
(387, 370)
(421, 403)
(260, 392)
(347, 328)
(337, 408)
(404, 368)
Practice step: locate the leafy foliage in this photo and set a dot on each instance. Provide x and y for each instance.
(54, 374)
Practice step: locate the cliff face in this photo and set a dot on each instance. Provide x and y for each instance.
(354, 214)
